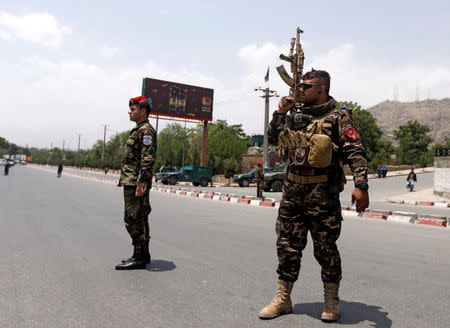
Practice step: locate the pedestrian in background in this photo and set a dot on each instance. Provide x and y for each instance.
(136, 178)
(60, 169)
(259, 180)
(6, 170)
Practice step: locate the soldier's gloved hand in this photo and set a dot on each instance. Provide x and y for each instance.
(361, 197)
(140, 189)
(285, 104)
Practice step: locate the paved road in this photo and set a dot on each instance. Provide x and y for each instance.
(380, 191)
(213, 264)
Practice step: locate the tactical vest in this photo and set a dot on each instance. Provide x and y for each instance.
(308, 148)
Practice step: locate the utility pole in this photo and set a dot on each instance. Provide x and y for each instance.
(104, 141)
(267, 95)
(62, 152)
(78, 153)
(184, 144)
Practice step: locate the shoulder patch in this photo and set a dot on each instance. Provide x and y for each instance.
(147, 140)
(350, 133)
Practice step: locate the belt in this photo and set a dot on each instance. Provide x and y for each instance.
(307, 179)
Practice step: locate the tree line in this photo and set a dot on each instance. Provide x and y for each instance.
(226, 144)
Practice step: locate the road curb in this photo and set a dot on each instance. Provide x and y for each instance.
(388, 216)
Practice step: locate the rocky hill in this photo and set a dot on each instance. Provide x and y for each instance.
(433, 113)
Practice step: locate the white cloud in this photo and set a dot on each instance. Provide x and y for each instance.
(370, 82)
(39, 28)
(70, 96)
(108, 51)
(67, 97)
(5, 35)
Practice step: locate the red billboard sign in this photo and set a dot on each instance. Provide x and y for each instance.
(179, 100)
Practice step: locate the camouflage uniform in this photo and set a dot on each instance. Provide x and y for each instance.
(259, 181)
(137, 165)
(315, 206)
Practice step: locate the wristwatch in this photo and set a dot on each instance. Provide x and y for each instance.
(363, 186)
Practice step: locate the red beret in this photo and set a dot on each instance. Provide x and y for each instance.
(259, 163)
(137, 100)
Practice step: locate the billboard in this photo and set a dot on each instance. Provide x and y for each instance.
(179, 100)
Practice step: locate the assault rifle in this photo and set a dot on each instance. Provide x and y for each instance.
(296, 60)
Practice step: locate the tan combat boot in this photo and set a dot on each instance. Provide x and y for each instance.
(281, 303)
(331, 302)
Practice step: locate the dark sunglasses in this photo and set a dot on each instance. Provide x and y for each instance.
(306, 86)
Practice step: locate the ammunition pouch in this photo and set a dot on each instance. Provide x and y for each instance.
(320, 151)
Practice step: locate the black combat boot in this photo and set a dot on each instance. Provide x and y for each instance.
(139, 261)
(146, 253)
(134, 255)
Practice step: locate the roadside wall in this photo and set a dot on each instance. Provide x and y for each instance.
(442, 176)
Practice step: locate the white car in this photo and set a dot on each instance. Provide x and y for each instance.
(2, 162)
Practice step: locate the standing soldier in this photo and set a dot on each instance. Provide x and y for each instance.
(259, 180)
(136, 178)
(315, 141)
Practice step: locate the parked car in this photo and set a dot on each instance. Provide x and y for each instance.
(275, 180)
(198, 175)
(163, 170)
(3, 162)
(245, 179)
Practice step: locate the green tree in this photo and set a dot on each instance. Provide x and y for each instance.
(230, 166)
(225, 142)
(171, 141)
(414, 141)
(369, 133)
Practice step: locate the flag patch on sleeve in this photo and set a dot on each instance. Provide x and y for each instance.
(147, 140)
(350, 132)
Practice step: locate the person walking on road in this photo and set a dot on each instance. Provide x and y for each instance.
(259, 180)
(60, 169)
(6, 170)
(136, 178)
(315, 141)
(411, 179)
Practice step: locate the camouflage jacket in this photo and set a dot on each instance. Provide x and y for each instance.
(339, 126)
(139, 157)
(259, 174)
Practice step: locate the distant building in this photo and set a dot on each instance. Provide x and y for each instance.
(257, 140)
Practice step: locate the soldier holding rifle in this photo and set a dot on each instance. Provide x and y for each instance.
(315, 139)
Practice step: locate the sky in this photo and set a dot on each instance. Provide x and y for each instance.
(67, 69)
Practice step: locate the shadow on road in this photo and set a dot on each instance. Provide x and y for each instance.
(161, 265)
(351, 313)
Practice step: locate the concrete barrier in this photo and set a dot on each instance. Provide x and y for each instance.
(410, 202)
(224, 198)
(277, 205)
(255, 202)
(349, 213)
(425, 203)
(401, 218)
(410, 214)
(234, 199)
(441, 204)
(244, 201)
(267, 203)
(432, 222)
(368, 215)
(384, 212)
(216, 197)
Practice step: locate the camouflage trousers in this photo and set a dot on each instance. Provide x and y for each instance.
(303, 208)
(259, 189)
(136, 214)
